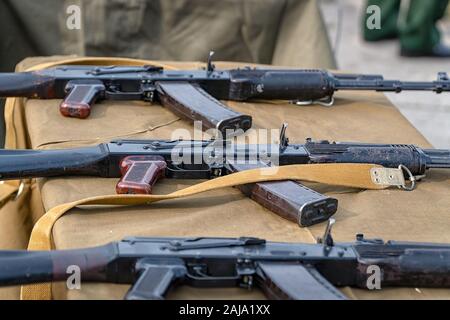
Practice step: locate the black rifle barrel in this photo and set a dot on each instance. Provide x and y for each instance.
(437, 158)
(390, 85)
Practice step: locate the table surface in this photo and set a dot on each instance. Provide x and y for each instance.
(421, 215)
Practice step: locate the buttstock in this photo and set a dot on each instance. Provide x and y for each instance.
(24, 164)
(24, 267)
(81, 96)
(140, 173)
(28, 85)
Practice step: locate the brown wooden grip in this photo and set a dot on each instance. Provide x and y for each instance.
(82, 94)
(140, 173)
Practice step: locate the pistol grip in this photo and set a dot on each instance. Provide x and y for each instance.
(140, 173)
(156, 278)
(81, 95)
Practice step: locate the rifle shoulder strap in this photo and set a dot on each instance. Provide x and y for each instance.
(347, 175)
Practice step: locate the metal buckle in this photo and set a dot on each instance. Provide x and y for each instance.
(395, 177)
(19, 191)
(413, 179)
(326, 102)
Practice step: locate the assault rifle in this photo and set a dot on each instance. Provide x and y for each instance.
(141, 163)
(282, 270)
(195, 94)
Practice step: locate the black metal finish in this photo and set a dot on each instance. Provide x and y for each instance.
(155, 265)
(90, 161)
(124, 82)
(209, 159)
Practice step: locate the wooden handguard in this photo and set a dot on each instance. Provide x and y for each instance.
(81, 95)
(140, 173)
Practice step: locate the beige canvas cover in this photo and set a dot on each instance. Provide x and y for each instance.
(421, 215)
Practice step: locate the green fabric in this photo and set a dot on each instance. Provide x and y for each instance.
(257, 31)
(281, 32)
(420, 32)
(417, 33)
(390, 10)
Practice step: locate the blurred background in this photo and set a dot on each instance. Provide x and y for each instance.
(428, 112)
(295, 33)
